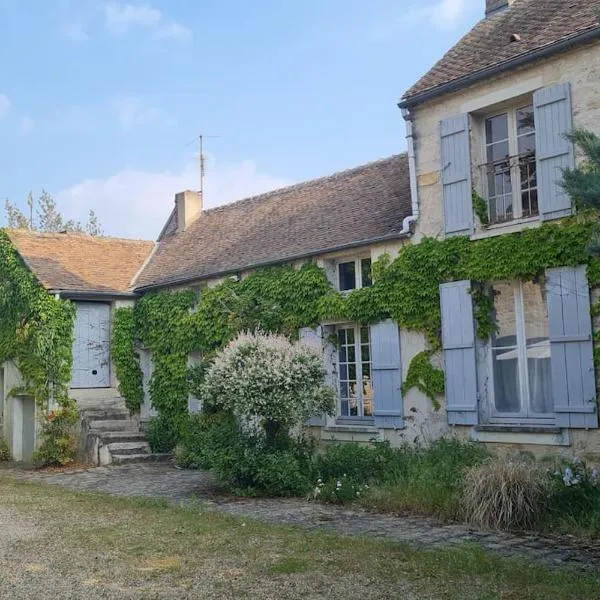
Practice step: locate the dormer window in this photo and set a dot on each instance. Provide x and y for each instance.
(510, 168)
(354, 274)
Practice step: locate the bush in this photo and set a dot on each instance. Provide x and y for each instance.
(269, 384)
(164, 432)
(505, 495)
(4, 451)
(574, 502)
(59, 437)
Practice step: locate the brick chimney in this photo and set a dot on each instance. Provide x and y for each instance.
(189, 207)
(493, 6)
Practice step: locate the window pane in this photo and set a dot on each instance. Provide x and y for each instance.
(505, 354)
(351, 354)
(496, 128)
(365, 265)
(367, 396)
(525, 120)
(538, 348)
(498, 152)
(344, 389)
(347, 275)
(343, 372)
(352, 372)
(344, 408)
(527, 144)
(350, 336)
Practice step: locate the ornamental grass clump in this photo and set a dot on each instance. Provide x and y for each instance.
(505, 495)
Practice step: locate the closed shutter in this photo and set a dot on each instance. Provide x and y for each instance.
(386, 374)
(458, 340)
(571, 348)
(554, 152)
(456, 175)
(312, 337)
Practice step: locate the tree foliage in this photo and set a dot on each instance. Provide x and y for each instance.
(43, 215)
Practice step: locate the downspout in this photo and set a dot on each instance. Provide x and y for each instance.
(412, 167)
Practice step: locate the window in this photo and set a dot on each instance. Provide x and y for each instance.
(511, 165)
(521, 353)
(354, 274)
(354, 355)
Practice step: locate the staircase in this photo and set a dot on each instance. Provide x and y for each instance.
(110, 434)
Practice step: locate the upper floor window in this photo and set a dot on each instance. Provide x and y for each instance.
(510, 166)
(354, 274)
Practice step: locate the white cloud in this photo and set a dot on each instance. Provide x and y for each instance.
(136, 203)
(26, 126)
(134, 112)
(4, 105)
(443, 15)
(120, 18)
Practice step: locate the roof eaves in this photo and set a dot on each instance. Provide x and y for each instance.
(513, 63)
(185, 280)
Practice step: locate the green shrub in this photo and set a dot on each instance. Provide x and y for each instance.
(574, 501)
(4, 451)
(505, 495)
(164, 432)
(59, 437)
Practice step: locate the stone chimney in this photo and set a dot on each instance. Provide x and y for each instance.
(493, 6)
(189, 207)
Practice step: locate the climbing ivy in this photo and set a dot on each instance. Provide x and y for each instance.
(480, 208)
(126, 358)
(36, 330)
(405, 289)
(425, 377)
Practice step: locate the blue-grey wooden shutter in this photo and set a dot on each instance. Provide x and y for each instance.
(554, 152)
(313, 337)
(458, 341)
(571, 347)
(456, 175)
(386, 375)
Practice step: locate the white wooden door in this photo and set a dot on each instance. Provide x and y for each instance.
(91, 346)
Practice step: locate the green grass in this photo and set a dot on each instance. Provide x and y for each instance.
(66, 544)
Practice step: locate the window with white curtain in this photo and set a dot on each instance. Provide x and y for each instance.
(521, 353)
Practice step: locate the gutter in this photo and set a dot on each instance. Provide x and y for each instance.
(562, 45)
(185, 280)
(412, 169)
(83, 295)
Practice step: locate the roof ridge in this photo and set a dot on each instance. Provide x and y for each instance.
(302, 184)
(73, 234)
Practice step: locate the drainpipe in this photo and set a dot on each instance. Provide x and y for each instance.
(412, 166)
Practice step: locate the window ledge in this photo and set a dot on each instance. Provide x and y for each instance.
(353, 429)
(518, 429)
(508, 227)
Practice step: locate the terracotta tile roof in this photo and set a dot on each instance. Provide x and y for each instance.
(347, 208)
(538, 23)
(81, 263)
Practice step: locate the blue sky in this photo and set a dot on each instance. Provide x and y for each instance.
(101, 100)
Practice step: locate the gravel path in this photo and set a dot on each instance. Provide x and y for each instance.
(198, 488)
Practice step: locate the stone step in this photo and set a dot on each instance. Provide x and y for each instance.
(123, 459)
(122, 448)
(105, 414)
(109, 437)
(113, 425)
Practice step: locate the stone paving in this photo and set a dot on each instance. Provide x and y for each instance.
(198, 488)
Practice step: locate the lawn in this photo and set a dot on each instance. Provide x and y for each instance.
(60, 544)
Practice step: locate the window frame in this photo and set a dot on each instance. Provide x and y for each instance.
(358, 275)
(358, 362)
(525, 415)
(510, 109)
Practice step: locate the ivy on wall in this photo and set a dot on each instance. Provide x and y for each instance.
(405, 289)
(126, 358)
(36, 331)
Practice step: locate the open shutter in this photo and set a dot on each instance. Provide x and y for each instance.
(312, 337)
(386, 375)
(571, 347)
(554, 152)
(456, 175)
(458, 340)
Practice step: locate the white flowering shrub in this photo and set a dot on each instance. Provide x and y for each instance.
(267, 381)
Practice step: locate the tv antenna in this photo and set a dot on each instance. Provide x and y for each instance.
(202, 159)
